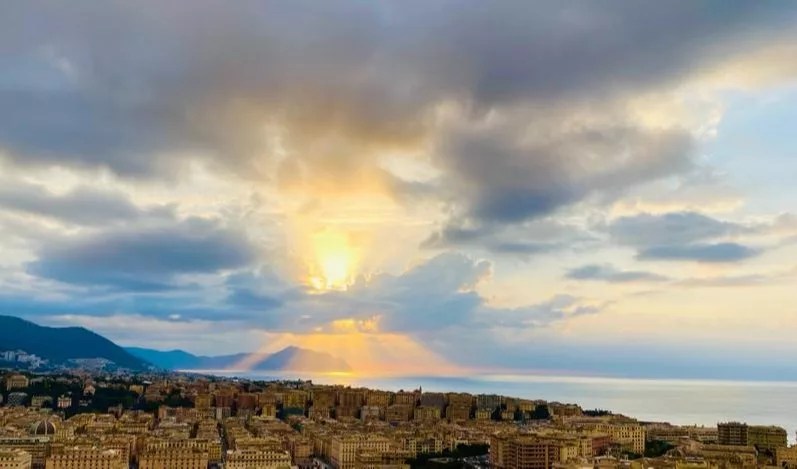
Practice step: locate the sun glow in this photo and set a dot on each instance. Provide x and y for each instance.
(334, 260)
(368, 352)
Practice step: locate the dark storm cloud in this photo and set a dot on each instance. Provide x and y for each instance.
(708, 253)
(609, 273)
(138, 87)
(82, 205)
(143, 258)
(509, 179)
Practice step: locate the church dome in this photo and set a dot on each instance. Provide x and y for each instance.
(43, 428)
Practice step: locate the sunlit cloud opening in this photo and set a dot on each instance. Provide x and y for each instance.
(334, 260)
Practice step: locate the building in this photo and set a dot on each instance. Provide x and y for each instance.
(379, 398)
(767, 438)
(457, 413)
(433, 399)
(346, 412)
(324, 397)
(15, 459)
(628, 436)
(203, 401)
(732, 434)
(406, 398)
(786, 456)
(507, 415)
(181, 457)
(523, 452)
(399, 413)
(427, 414)
(301, 449)
(317, 413)
(371, 412)
(41, 401)
(17, 399)
(16, 381)
(247, 401)
(43, 428)
(295, 398)
(257, 459)
(37, 447)
(343, 449)
(484, 414)
(488, 401)
(376, 460)
(83, 457)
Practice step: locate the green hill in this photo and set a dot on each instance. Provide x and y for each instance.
(59, 344)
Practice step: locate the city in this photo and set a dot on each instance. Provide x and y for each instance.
(398, 234)
(183, 421)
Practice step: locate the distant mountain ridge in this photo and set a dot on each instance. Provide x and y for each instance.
(287, 359)
(61, 344)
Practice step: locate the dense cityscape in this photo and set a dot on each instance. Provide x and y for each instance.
(81, 419)
(398, 234)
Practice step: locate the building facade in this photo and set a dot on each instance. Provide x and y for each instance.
(15, 459)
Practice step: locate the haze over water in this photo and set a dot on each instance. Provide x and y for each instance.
(680, 402)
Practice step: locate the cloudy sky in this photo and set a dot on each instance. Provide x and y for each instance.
(601, 187)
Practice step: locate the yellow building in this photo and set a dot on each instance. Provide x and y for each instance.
(786, 456)
(16, 381)
(457, 412)
(767, 437)
(427, 414)
(252, 458)
(343, 449)
(378, 398)
(631, 436)
(301, 449)
(376, 460)
(183, 458)
(81, 457)
(523, 452)
(203, 401)
(14, 459)
(399, 413)
(483, 414)
(37, 446)
(406, 398)
(295, 399)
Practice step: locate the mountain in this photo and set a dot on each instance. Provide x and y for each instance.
(287, 359)
(59, 344)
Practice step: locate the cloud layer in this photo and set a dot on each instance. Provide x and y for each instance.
(175, 162)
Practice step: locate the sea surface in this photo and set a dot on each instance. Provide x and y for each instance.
(680, 402)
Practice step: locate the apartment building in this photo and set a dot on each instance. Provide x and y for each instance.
(16, 381)
(182, 457)
(523, 452)
(343, 449)
(254, 458)
(732, 434)
(15, 459)
(81, 457)
(767, 437)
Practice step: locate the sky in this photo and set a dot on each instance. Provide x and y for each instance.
(559, 186)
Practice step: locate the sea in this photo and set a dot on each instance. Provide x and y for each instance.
(680, 402)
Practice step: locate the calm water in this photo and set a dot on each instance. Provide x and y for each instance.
(682, 402)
